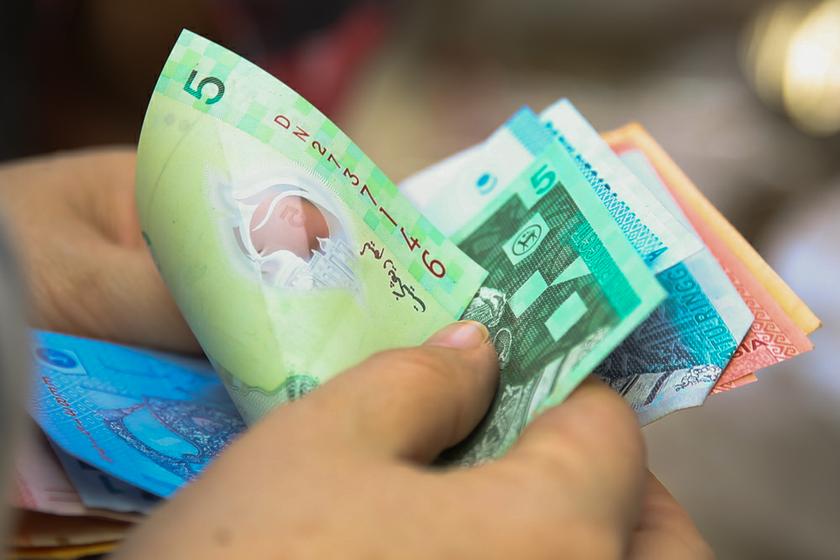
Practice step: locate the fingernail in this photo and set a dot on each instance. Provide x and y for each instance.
(463, 334)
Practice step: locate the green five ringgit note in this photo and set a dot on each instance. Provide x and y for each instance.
(290, 254)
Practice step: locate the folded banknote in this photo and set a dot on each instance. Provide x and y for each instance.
(290, 254)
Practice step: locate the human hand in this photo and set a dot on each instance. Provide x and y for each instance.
(340, 474)
(73, 221)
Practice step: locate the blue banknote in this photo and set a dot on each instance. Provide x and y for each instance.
(151, 419)
(98, 490)
(673, 360)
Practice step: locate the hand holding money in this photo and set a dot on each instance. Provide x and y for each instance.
(575, 259)
(336, 475)
(293, 258)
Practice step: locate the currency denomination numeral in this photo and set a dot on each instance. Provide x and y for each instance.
(198, 91)
(435, 266)
(543, 180)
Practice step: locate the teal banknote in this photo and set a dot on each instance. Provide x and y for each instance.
(452, 190)
(290, 254)
(564, 286)
(675, 357)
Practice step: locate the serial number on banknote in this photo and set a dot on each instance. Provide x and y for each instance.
(435, 266)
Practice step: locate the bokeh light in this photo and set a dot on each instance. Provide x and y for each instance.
(792, 57)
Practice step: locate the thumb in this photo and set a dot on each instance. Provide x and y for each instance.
(410, 403)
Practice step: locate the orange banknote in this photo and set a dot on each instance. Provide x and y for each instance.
(782, 319)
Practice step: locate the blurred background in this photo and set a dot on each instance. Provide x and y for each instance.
(744, 95)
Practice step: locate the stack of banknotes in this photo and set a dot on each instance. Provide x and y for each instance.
(292, 256)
